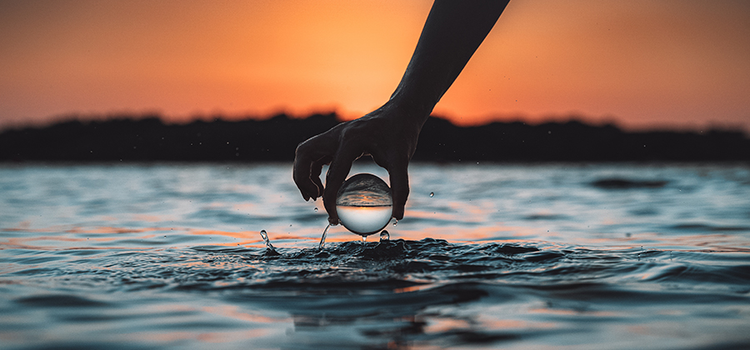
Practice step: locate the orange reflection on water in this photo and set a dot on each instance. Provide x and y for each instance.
(412, 288)
(235, 313)
(246, 237)
(442, 325)
(24, 227)
(231, 312)
(517, 324)
(114, 234)
(571, 312)
(206, 337)
(23, 242)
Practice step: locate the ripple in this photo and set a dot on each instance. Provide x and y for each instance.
(524, 256)
(700, 227)
(60, 300)
(626, 184)
(539, 217)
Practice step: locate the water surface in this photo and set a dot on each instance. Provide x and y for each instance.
(487, 256)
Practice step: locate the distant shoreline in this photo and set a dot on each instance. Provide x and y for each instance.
(148, 139)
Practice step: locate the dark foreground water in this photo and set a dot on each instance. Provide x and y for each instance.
(499, 256)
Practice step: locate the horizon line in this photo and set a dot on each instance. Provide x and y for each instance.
(167, 119)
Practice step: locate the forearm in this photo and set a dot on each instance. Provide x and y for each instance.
(452, 33)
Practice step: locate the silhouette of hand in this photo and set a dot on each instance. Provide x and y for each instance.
(387, 134)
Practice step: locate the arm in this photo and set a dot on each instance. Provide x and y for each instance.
(451, 35)
(453, 32)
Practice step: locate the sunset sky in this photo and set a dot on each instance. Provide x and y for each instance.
(640, 64)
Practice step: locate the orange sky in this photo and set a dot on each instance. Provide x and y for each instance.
(681, 63)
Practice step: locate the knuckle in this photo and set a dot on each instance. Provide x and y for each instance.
(302, 147)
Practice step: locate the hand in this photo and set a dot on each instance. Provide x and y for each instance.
(387, 134)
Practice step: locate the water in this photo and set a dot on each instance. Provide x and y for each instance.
(385, 236)
(322, 243)
(501, 256)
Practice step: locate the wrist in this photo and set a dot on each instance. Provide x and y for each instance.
(413, 111)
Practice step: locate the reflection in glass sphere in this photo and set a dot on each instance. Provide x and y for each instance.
(364, 204)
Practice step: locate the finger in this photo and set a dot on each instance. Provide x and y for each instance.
(337, 172)
(315, 171)
(399, 175)
(309, 158)
(302, 174)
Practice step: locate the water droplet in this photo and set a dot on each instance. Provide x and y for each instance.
(385, 236)
(364, 239)
(432, 194)
(395, 222)
(264, 235)
(323, 238)
(315, 210)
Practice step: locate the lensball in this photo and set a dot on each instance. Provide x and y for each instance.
(364, 204)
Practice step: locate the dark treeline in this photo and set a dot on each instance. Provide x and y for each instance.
(149, 139)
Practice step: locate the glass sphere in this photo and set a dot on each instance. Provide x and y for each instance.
(364, 204)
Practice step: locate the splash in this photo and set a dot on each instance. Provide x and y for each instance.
(385, 236)
(323, 238)
(264, 235)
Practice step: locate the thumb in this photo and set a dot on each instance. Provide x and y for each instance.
(399, 175)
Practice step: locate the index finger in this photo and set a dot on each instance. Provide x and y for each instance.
(308, 160)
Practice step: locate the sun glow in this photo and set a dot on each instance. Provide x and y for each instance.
(642, 63)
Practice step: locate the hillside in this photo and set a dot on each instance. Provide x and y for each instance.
(274, 139)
